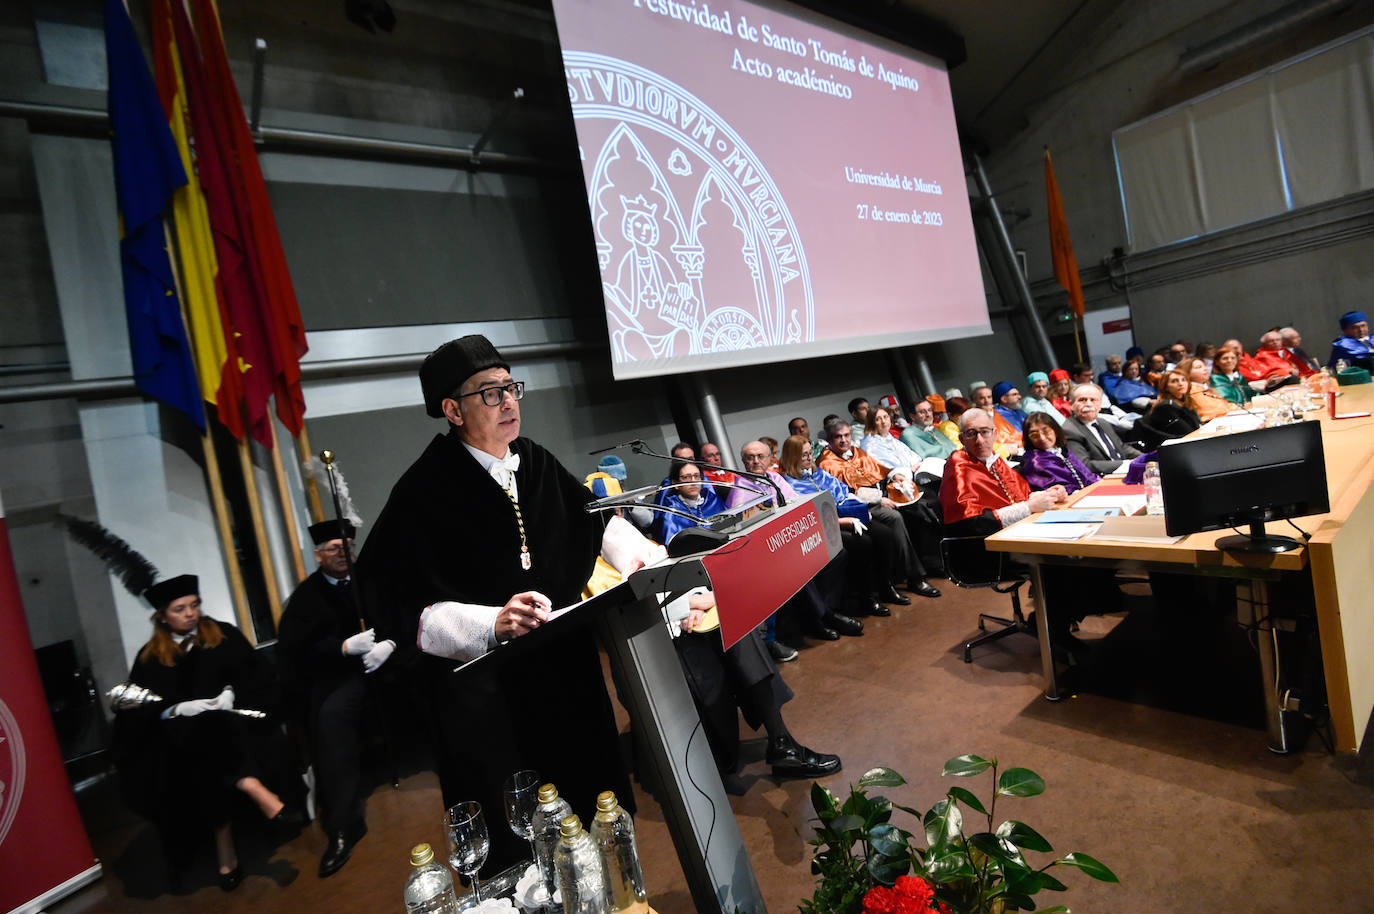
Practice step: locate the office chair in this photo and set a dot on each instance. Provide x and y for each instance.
(968, 564)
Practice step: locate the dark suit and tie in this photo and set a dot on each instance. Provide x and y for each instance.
(1097, 445)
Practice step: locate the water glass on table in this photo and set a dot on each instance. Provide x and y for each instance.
(468, 841)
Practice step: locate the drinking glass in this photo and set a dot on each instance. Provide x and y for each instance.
(522, 796)
(468, 841)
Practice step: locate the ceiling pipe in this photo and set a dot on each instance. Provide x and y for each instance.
(1261, 31)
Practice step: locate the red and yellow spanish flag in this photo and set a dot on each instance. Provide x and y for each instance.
(217, 361)
(281, 313)
(1061, 246)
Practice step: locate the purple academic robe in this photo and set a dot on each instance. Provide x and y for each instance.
(1043, 469)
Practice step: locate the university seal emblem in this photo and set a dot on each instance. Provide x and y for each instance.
(698, 252)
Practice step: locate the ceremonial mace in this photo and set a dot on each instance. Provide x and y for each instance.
(327, 458)
(128, 695)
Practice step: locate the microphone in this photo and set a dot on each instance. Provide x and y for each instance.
(636, 443)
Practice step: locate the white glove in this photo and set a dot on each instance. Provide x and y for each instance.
(374, 658)
(857, 527)
(191, 708)
(359, 644)
(224, 701)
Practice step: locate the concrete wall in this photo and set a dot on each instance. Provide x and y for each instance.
(1303, 268)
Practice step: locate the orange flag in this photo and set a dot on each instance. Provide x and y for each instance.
(1061, 246)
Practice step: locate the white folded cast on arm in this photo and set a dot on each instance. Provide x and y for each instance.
(466, 631)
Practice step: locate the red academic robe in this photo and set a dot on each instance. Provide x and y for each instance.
(970, 488)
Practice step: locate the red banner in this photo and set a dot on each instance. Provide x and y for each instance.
(763, 567)
(44, 851)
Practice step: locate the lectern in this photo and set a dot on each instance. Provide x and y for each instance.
(766, 560)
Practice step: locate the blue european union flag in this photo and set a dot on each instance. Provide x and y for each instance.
(147, 172)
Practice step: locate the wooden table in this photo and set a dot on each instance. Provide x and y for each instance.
(1338, 561)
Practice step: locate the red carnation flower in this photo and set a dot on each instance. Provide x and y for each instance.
(917, 889)
(880, 900)
(908, 905)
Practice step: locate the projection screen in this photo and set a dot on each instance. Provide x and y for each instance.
(765, 184)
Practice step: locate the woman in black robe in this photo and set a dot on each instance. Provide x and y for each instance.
(183, 757)
(1172, 416)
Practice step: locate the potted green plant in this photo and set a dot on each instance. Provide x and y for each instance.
(868, 865)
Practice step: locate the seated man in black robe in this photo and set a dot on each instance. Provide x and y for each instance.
(479, 540)
(329, 655)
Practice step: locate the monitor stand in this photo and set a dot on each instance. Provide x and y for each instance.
(1257, 541)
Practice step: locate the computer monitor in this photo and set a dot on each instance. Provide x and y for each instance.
(1245, 479)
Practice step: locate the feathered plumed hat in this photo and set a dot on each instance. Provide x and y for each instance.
(136, 573)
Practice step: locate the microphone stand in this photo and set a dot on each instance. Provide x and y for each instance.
(327, 458)
(638, 446)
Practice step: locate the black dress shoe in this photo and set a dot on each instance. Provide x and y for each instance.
(781, 653)
(843, 624)
(923, 589)
(286, 824)
(340, 848)
(230, 880)
(889, 594)
(823, 633)
(871, 607)
(790, 759)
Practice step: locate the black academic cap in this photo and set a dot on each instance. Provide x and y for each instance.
(164, 592)
(327, 530)
(446, 368)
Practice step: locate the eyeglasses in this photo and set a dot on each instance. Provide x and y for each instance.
(978, 432)
(336, 549)
(492, 396)
(685, 478)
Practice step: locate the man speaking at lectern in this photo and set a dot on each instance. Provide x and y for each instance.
(480, 538)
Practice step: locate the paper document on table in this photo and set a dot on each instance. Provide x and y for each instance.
(1148, 528)
(1129, 504)
(1039, 531)
(1077, 515)
(1238, 421)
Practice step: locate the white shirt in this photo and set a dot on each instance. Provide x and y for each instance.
(487, 461)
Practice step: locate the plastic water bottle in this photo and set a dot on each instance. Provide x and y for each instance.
(429, 890)
(550, 812)
(613, 832)
(1154, 489)
(581, 875)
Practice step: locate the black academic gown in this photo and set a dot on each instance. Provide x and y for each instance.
(180, 772)
(448, 532)
(328, 692)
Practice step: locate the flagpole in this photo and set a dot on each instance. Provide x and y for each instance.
(312, 491)
(288, 510)
(269, 567)
(215, 478)
(1078, 336)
